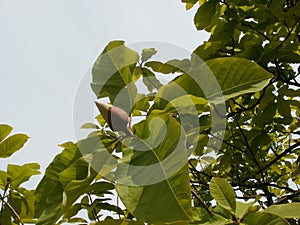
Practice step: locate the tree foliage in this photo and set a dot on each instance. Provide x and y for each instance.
(253, 54)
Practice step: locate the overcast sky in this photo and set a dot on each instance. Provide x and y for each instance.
(47, 46)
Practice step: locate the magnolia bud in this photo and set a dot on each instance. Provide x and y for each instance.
(116, 117)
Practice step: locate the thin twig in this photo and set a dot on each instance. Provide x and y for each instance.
(276, 159)
(287, 197)
(201, 202)
(93, 210)
(10, 208)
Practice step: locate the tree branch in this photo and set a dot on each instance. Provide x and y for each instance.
(201, 202)
(287, 197)
(10, 208)
(277, 158)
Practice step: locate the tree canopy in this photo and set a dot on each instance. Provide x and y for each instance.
(218, 144)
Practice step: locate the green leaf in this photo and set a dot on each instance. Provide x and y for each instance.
(165, 68)
(26, 221)
(265, 219)
(4, 131)
(261, 142)
(76, 184)
(150, 80)
(118, 222)
(113, 70)
(222, 31)
(160, 67)
(235, 76)
(219, 210)
(48, 201)
(201, 216)
(223, 193)
(188, 6)
(6, 214)
(186, 104)
(180, 65)
(242, 209)
(204, 14)
(77, 220)
(49, 193)
(100, 188)
(207, 50)
(4, 178)
(148, 53)
(90, 126)
(202, 142)
(69, 176)
(12, 144)
(190, 1)
(27, 203)
(142, 102)
(284, 108)
(156, 188)
(290, 210)
(238, 76)
(266, 116)
(20, 174)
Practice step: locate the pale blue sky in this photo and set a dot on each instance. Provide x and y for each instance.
(47, 46)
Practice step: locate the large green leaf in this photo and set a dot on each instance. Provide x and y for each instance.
(186, 104)
(265, 219)
(152, 177)
(49, 193)
(238, 76)
(113, 70)
(290, 210)
(235, 76)
(223, 193)
(20, 174)
(4, 131)
(12, 144)
(204, 14)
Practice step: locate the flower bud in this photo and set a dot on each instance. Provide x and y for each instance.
(116, 117)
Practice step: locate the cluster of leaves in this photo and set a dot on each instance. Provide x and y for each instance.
(17, 203)
(230, 211)
(260, 153)
(250, 53)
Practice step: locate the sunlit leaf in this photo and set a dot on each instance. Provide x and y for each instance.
(265, 218)
(235, 76)
(12, 144)
(4, 131)
(20, 174)
(113, 70)
(223, 193)
(158, 190)
(242, 209)
(290, 210)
